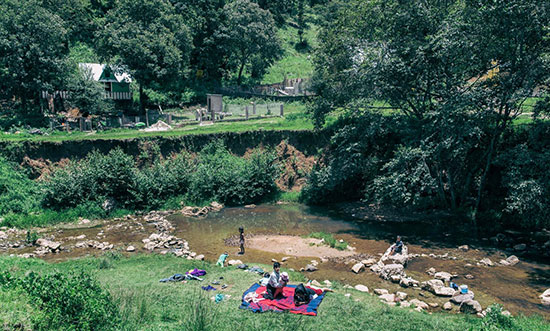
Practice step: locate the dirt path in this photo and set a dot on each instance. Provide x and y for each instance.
(295, 246)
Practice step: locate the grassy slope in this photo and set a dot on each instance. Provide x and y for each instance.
(146, 304)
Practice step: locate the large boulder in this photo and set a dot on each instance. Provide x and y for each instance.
(376, 268)
(380, 291)
(447, 306)
(470, 307)
(459, 298)
(432, 284)
(399, 258)
(358, 267)
(311, 268)
(392, 270)
(369, 262)
(387, 297)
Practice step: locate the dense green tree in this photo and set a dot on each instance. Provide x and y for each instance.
(33, 52)
(248, 36)
(148, 38)
(88, 94)
(78, 17)
(458, 70)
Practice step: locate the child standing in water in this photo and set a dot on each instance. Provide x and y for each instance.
(241, 240)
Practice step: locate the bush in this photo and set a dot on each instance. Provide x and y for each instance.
(221, 176)
(18, 193)
(95, 178)
(70, 301)
(163, 180)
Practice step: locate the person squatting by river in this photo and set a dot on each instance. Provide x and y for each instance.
(397, 248)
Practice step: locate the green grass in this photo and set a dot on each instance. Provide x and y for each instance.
(329, 240)
(293, 120)
(289, 196)
(146, 304)
(295, 63)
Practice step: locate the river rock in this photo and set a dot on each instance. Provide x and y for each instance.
(468, 276)
(444, 276)
(380, 291)
(520, 247)
(130, 249)
(392, 270)
(545, 297)
(84, 221)
(358, 267)
(284, 259)
(387, 297)
(419, 304)
(459, 298)
(444, 291)
(234, 262)
(216, 206)
(369, 262)
(431, 271)
(512, 260)
(464, 248)
(447, 306)
(362, 288)
(486, 262)
(401, 295)
(432, 284)
(376, 268)
(470, 307)
(199, 257)
(3, 235)
(310, 268)
(408, 282)
(399, 258)
(250, 206)
(404, 304)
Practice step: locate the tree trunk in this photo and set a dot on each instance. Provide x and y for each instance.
(240, 73)
(141, 99)
(484, 176)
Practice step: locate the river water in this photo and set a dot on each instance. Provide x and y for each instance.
(515, 287)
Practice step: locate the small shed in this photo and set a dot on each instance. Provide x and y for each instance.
(116, 81)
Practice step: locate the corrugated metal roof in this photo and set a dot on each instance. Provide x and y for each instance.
(96, 69)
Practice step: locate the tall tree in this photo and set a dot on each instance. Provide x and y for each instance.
(248, 36)
(33, 51)
(149, 39)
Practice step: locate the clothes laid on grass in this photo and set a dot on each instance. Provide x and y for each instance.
(257, 270)
(208, 288)
(174, 278)
(284, 304)
(196, 272)
(304, 294)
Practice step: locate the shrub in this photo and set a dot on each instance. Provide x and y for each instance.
(221, 176)
(94, 178)
(18, 193)
(163, 180)
(70, 301)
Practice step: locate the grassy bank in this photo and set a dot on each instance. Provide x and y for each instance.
(145, 304)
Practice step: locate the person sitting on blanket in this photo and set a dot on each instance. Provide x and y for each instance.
(274, 288)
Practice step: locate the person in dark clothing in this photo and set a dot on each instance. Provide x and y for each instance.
(241, 240)
(397, 247)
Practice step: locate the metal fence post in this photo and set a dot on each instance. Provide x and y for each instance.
(282, 109)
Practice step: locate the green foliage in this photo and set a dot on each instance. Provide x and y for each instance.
(221, 176)
(18, 193)
(88, 95)
(137, 32)
(93, 179)
(33, 44)
(329, 239)
(71, 300)
(248, 37)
